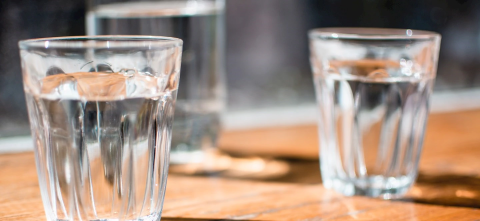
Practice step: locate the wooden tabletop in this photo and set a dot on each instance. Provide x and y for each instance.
(273, 174)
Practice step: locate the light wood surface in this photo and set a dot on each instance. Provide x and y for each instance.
(289, 187)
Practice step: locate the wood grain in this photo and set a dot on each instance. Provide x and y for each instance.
(447, 133)
(449, 175)
(220, 198)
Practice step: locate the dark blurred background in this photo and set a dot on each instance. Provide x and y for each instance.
(267, 45)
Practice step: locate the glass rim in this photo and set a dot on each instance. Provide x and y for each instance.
(101, 42)
(371, 33)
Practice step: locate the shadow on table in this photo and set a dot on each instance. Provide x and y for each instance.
(253, 168)
(438, 189)
(191, 219)
(446, 189)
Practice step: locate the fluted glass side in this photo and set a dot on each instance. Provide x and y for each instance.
(372, 88)
(102, 132)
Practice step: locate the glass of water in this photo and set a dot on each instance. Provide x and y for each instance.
(201, 95)
(101, 113)
(372, 88)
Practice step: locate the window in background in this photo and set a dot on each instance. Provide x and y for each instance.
(23, 19)
(267, 45)
(268, 64)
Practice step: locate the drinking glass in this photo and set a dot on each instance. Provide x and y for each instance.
(201, 95)
(372, 88)
(101, 113)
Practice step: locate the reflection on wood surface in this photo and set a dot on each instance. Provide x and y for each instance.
(449, 177)
(449, 173)
(216, 198)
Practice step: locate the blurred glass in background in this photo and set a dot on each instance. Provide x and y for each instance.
(201, 96)
(266, 46)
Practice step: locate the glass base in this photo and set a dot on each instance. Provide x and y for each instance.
(373, 186)
(151, 217)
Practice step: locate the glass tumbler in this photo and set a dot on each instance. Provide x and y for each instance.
(101, 112)
(372, 89)
(201, 95)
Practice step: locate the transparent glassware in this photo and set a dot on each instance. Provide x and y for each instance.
(101, 113)
(201, 95)
(372, 89)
